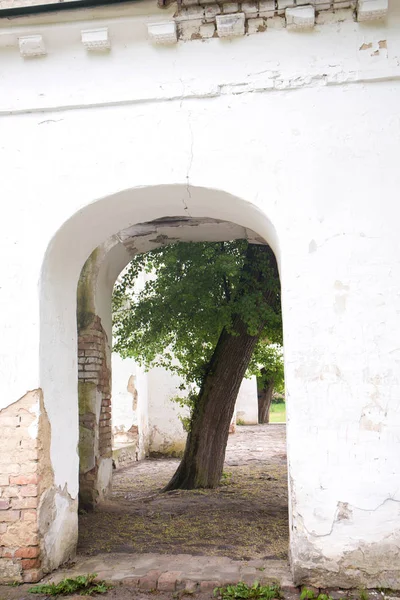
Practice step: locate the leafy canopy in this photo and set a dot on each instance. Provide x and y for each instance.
(191, 292)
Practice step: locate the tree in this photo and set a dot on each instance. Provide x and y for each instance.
(267, 365)
(202, 315)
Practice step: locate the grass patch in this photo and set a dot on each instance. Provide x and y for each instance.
(85, 585)
(242, 591)
(277, 413)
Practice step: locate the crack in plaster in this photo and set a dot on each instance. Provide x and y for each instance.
(337, 516)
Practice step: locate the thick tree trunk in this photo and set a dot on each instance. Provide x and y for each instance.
(203, 460)
(264, 402)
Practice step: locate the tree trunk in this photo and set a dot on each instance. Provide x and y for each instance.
(264, 402)
(203, 459)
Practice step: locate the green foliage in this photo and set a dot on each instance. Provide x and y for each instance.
(187, 402)
(226, 478)
(192, 292)
(242, 591)
(307, 594)
(85, 585)
(267, 366)
(363, 594)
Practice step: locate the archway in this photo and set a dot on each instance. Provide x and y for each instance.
(98, 226)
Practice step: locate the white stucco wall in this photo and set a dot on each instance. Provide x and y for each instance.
(124, 410)
(247, 402)
(166, 432)
(295, 136)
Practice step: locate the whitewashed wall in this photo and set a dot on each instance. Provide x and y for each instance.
(295, 136)
(247, 402)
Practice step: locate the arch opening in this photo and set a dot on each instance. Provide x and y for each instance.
(140, 226)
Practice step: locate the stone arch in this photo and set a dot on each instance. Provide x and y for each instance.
(94, 232)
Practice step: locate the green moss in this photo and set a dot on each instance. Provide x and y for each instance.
(87, 397)
(85, 296)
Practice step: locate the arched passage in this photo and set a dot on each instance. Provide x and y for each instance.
(97, 227)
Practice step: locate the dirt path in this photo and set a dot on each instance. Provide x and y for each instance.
(245, 518)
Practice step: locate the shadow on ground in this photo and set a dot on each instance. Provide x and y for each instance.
(245, 518)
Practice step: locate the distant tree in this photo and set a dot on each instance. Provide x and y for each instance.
(201, 314)
(269, 370)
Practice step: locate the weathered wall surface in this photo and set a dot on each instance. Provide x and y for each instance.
(295, 136)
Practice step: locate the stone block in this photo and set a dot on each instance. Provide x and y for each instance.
(230, 7)
(210, 12)
(32, 46)
(10, 570)
(20, 533)
(372, 10)
(229, 26)
(167, 582)
(162, 33)
(32, 576)
(266, 8)
(282, 4)
(276, 23)
(207, 586)
(189, 30)
(191, 13)
(300, 18)
(96, 40)
(149, 581)
(337, 16)
(207, 30)
(250, 9)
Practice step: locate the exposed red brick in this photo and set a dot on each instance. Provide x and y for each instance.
(21, 503)
(167, 581)
(24, 479)
(149, 581)
(28, 552)
(8, 516)
(30, 563)
(28, 490)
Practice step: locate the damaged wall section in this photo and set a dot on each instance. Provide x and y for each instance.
(23, 462)
(94, 390)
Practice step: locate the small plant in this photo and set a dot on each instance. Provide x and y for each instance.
(226, 477)
(240, 422)
(242, 591)
(85, 585)
(307, 594)
(363, 594)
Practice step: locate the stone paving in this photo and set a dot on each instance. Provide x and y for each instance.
(182, 571)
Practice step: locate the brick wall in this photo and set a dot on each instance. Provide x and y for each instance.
(19, 478)
(94, 407)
